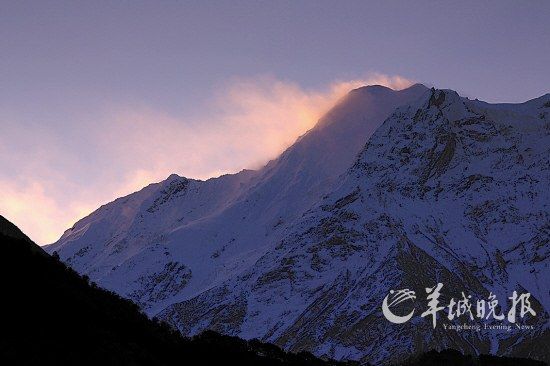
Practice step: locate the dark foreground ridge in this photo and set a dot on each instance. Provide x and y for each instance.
(455, 358)
(52, 315)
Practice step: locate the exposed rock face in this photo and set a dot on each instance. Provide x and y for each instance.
(162, 284)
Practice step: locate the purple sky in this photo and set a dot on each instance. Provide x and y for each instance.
(98, 98)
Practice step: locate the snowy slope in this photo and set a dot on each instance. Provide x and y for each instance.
(175, 239)
(447, 190)
(302, 252)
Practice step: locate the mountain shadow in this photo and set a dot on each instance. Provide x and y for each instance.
(455, 358)
(52, 315)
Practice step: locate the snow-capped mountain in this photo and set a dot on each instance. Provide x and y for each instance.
(302, 252)
(175, 239)
(447, 190)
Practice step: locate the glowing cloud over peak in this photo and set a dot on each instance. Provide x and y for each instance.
(124, 149)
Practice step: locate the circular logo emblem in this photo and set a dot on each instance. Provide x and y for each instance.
(395, 298)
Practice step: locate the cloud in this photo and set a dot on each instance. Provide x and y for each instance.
(58, 181)
(41, 216)
(254, 121)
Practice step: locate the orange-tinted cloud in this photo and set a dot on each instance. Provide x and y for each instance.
(252, 121)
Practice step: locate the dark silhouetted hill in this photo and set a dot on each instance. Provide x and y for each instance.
(455, 358)
(53, 316)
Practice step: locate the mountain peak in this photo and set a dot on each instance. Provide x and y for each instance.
(207, 226)
(381, 89)
(173, 176)
(440, 97)
(376, 88)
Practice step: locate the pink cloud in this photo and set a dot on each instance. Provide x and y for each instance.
(253, 120)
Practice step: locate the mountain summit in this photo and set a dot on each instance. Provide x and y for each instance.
(175, 239)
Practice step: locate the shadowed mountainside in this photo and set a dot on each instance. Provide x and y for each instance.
(51, 315)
